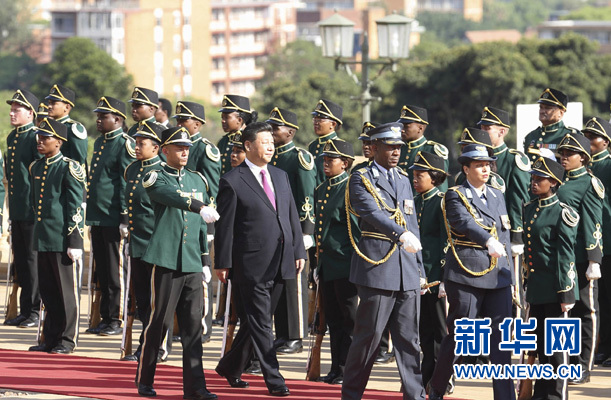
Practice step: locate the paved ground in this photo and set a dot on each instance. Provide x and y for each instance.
(384, 377)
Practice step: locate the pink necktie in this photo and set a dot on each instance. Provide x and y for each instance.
(267, 189)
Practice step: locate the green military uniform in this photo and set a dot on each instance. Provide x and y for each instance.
(224, 146)
(411, 149)
(432, 233)
(600, 165)
(204, 157)
(315, 148)
(545, 137)
(239, 104)
(57, 194)
(513, 166)
(2, 191)
(76, 146)
(299, 165)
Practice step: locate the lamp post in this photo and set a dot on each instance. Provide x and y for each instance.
(337, 35)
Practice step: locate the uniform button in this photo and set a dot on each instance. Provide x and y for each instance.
(130, 215)
(322, 207)
(87, 196)
(319, 229)
(320, 222)
(136, 183)
(40, 219)
(528, 235)
(185, 235)
(130, 200)
(131, 228)
(131, 222)
(532, 270)
(39, 213)
(321, 250)
(133, 188)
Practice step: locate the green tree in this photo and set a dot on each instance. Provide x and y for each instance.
(81, 66)
(15, 17)
(590, 13)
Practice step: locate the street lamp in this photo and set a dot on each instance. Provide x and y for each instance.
(337, 35)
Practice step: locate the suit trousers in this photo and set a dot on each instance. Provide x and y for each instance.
(255, 306)
(378, 307)
(432, 331)
(586, 309)
(604, 299)
(552, 389)
(24, 260)
(290, 317)
(141, 282)
(111, 271)
(471, 302)
(60, 294)
(179, 292)
(340, 302)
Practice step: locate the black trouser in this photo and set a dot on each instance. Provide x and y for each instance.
(432, 331)
(290, 317)
(59, 290)
(25, 260)
(255, 306)
(181, 293)
(340, 300)
(110, 270)
(586, 309)
(604, 299)
(141, 282)
(552, 389)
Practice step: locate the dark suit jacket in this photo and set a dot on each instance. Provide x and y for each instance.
(379, 233)
(252, 238)
(475, 257)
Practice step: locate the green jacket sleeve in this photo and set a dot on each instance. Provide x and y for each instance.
(163, 192)
(126, 158)
(566, 274)
(74, 184)
(591, 220)
(304, 194)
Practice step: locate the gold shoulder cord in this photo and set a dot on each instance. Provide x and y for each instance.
(491, 229)
(397, 215)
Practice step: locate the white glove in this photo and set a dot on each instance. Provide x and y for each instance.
(75, 254)
(566, 307)
(411, 244)
(308, 241)
(207, 274)
(517, 249)
(210, 238)
(209, 214)
(495, 248)
(442, 290)
(124, 230)
(593, 272)
(10, 227)
(422, 283)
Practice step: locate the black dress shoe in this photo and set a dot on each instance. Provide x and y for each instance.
(218, 322)
(112, 329)
(97, 329)
(279, 342)
(585, 378)
(600, 358)
(29, 323)
(607, 362)
(329, 377)
(61, 349)
(338, 381)
(254, 368)
(280, 391)
(201, 394)
(234, 382)
(146, 390)
(290, 347)
(384, 357)
(176, 338)
(130, 357)
(206, 338)
(41, 347)
(433, 394)
(15, 321)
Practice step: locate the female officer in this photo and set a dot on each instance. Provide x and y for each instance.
(550, 230)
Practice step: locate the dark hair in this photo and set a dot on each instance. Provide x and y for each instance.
(437, 177)
(349, 161)
(166, 105)
(248, 118)
(250, 132)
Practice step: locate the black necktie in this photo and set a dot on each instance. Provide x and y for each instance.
(391, 180)
(483, 197)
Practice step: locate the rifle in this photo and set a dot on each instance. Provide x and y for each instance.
(129, 313)
(95, 294)
(10, 300)
(40, 335)
(318, 328)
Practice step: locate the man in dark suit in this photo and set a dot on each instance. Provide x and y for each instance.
(386, 267)
(478, 277)
(259, 240)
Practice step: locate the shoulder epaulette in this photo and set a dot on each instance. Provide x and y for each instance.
(569, 215)
(497, 183)
(128, 146)
(439, 149)
(441, 194)
(522, 161)
(126, 168)
(150, 178)
(306, 159)
(598, 187)
(212, 151)
(78, 129)
(402, 171)
(76, 169)
(361, 170)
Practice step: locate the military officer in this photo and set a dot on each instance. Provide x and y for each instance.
(477, 272)
(107, 213)
(429, 174)
(177, 196)
(334, 251)
(235, 116)
(513, 166)
(598, 131)
(145, 103)
(585, 193)
(291, 312)
(415, 122)
(61, 101)
(386, 267)
(237, 150)
(58, 183)
(20, 153)
(205, 158)
(551, 228)
(327, 120)
(478, 136)
(366, 144)
(552, 106)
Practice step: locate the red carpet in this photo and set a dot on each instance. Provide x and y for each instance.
(111, 379)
